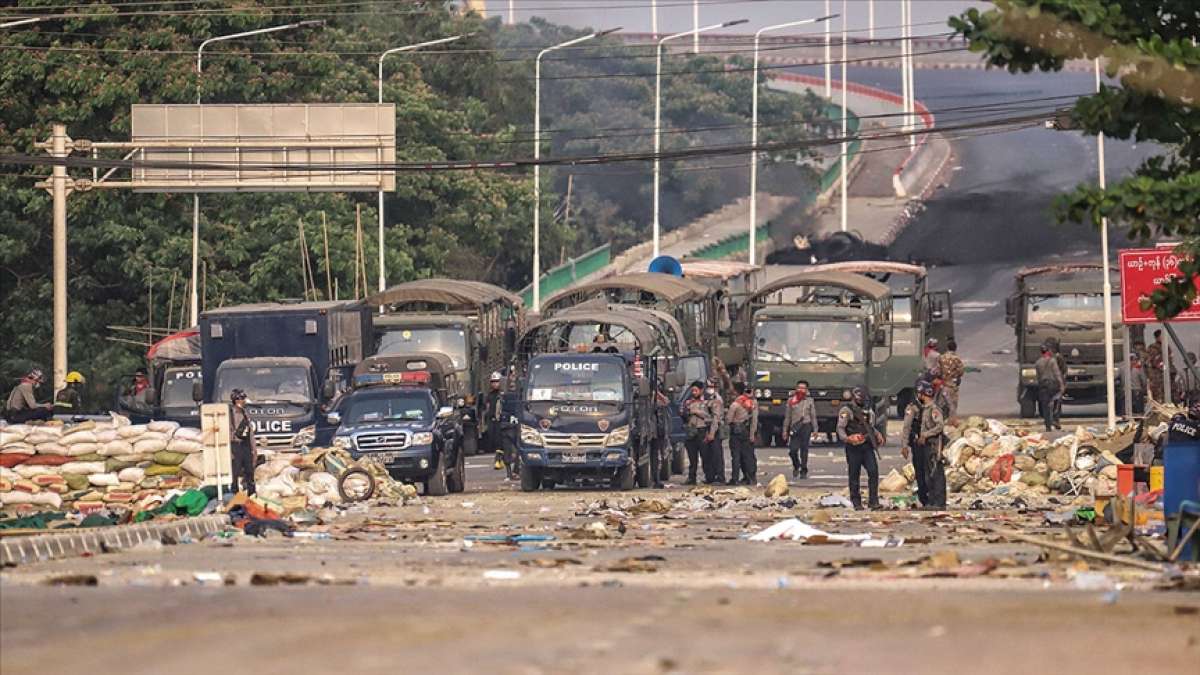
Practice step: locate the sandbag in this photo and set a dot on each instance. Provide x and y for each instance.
(131, 431)
(5, 485)
(15, 497)
(14, 433)
(107, 436)
(117, 447)
(132, 475)
(149, 446)
(10, 460)
(76, 481)
(31, 470)
(162, 470)
(43, 435)
(185, 446)
(167, 458)
(85, 436)
(77, 449)
(85, 468)
(26, 485)
(188, 434)
(119, 497)
(119, 421)
(18, 449)
(194, 465)
(102, 479)
(132, 457)
(163, 426)
(46, 480)
(113, 465)
(893, 482)
(48, 460)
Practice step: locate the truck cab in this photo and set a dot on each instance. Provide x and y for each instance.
(405, 412)
(1064, 303)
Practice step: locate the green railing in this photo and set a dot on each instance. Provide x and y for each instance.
(564, 275)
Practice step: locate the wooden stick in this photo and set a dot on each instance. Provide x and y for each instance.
(328, 270)
(1183, 540)
(171, 298)
(1081, 552)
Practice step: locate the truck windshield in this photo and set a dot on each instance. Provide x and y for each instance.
(451, 341)
(576, 381)
(804, 341)
(1070, 308)
(177, 387)
(387, 406)
(902, 309)
(264, 384)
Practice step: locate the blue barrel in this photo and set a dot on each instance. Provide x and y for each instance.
(1181, 479)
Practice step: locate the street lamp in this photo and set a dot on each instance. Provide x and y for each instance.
(754, 128)
(537, 153)
(396, 50)
(658, 110)
(195, 304)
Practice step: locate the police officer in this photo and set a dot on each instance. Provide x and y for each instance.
(492, 418)
(1051, 385)
(921, 437)
(241, 437)
(856, 428)
(701, 427)
(714, 460)
(69, 399)
(799, 420)
(742, 418)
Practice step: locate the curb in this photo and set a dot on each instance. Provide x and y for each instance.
(71, 543)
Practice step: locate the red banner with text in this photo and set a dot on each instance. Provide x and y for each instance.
(1143, 271)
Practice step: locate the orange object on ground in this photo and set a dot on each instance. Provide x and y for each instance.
(1124, 479)
(1002, 470)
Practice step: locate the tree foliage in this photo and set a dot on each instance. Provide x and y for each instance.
(1150, 47)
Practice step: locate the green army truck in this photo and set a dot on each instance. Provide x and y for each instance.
(917, 315)
(473, 323)
(829, 328)
(1065, 303)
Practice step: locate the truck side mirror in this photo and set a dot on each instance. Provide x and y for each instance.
(334, 418)
(197, 391)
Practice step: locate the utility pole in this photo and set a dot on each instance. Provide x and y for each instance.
(1109, 359)
(845, 115)
(828, 56)
(695, 26)
(871, 19)
(60, 147)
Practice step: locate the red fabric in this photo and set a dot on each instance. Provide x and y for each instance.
(746, 401)
(1002, 470)
(12, 459)
(48, 460)
(797, 397)
(140, 384)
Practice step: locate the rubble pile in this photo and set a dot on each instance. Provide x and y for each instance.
(310, 480)
(984, 456)
(91, 466)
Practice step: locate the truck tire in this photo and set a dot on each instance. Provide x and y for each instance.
(624, 480)
(355, 485)
(678, 460)
(457, 480)
(642, 473)
(436, 485)
(548, 483)
(1028, 404)
(531, 479)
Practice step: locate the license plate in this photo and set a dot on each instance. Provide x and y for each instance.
(385, 457)
(574, 459)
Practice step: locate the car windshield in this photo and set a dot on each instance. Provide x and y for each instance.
(1070, 308)
(387, 406)
(177, 387)
(451, 341)
(266, 384)
(576, 380)
(805, 341)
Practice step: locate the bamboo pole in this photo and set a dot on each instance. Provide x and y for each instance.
(171, 298)
(328, 271)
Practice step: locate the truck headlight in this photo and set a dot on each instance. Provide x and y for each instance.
(422, 438)
(1028, 373)
(531, 436)
(618, 437)
(305, 436)
(343, 443)
(766, 393)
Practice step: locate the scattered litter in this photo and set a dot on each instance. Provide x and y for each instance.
(72, 580)
(778, 487)
(796, 530)
(890, 542)
(833, 501)
(502, 575)
(550, 563)
(646, 563)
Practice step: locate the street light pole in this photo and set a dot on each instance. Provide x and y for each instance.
(754, 130)
(537, 154)
(828, 57)
(384, 55)
(1109, 359)
(658, 113)
(845, 115)
(695, 26)
(195, 296)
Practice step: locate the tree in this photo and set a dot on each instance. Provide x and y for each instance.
(1150, 47)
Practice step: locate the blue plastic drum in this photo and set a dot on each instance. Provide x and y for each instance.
(1181, 480)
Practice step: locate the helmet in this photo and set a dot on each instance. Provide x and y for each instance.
(925, 388)
(496, 376)
(75, 376)
(931, 342)
(237, 395)
(858, 394)
(35, 374)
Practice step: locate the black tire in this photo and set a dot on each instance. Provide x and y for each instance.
(641, 474)
(548, 483)
(624, 480)
(457, 480)
(1028, 405)
(350, 479)
(678, 460)
(531, 479)
(436, 485)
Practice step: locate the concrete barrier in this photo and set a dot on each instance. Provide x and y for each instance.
(58, 544)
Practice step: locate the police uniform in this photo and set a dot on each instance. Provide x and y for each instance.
(742, 419)
(922, 435)
(714, 459)
(799, 420)
(244, 451)
(1051, 385)
(854, 419)
(699, 422)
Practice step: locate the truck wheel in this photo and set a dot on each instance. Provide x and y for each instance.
(436, 485)
(457, 480)
(624, 480)
(531, 479)
(678, 459)
(642, 472)
(356, 485)
(1028, 405)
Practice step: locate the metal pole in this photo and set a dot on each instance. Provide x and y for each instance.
(1166, 352)
(845, 116)
(379, 212)
(912, 81)
(754, 131)
(1128, 370)
(654, 18)
(1109, 360)
(871, 19)
(695, 26)
(58, 149)
(512, 12)
(828, 57)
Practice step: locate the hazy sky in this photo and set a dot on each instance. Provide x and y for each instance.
(676, 15)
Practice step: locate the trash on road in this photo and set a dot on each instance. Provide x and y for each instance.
(797, 530)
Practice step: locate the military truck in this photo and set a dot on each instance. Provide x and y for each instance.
(917, 315)
(1064, 303)
(829, 328)
(474, 323)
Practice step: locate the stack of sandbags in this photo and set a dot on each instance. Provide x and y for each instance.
(93, 465)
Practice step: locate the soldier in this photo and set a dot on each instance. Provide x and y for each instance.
(856, 428)
(1138, 383)
(798, 423)
(714, 460)
(742, 419)
(701, 427)
(921, 437)
(951, 368)
(1051, 385)
(493, 417)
